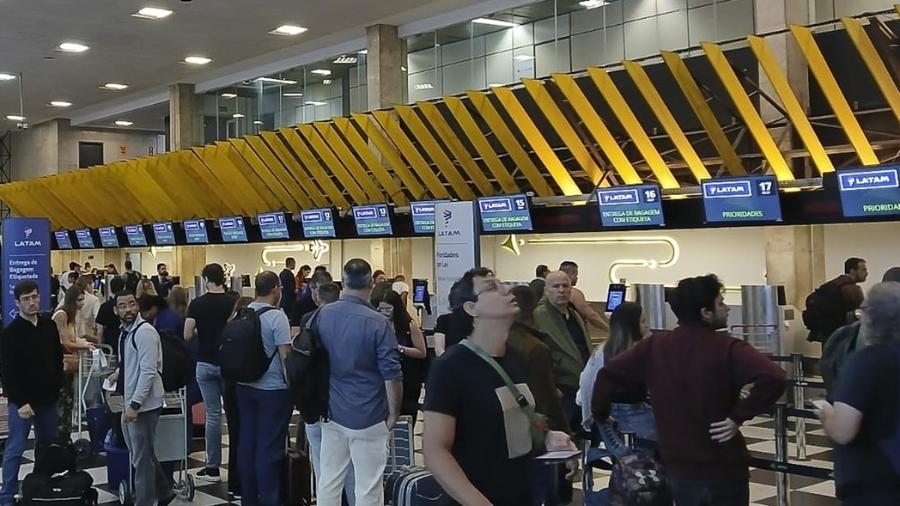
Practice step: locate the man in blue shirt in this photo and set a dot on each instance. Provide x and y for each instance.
(365, 390)
(264, 404)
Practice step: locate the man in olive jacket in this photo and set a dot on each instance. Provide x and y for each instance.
(567, 337)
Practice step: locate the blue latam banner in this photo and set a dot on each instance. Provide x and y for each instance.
(870, 192)
(25, 255)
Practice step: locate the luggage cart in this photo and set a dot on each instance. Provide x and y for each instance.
(171, 443)
(93, 367)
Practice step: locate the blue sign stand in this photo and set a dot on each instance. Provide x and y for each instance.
(25, 255)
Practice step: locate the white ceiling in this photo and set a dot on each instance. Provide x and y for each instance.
(146, 54)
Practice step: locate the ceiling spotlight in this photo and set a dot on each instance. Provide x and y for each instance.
(364, 51)
(327, 81)
(424, 86)
(345, 60)
(257, 122)
(60, 103)
(494, 22)
(593, 4)
(6, 77)
(315, 102)
(197, 60)
(292, 94)
(72, 47)
(237, 115)
(523, 57)
(151, 13)
(321, 72)
(288, 30)
(228, 95)
(114, 86)
(15, 117)
(123, 122)
(274, 80)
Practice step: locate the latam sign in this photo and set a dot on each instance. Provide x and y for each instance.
(619, 197)
(869, 180)
(727, 189)
(870, 192)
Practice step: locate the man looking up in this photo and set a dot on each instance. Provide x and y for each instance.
(32, 372)
(579, 301)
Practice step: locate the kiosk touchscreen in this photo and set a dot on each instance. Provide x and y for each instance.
(372, 220)
(737, 199)
(317, 223)
(273, 225)
(508, 213)
(195, 232)
(631, 206)
(423, 216)
(233, 229)
(420, 291)
(615, 296)
(63, 241)
(870, 192)
(108, 237)
(83, 236)
(135, 235)
(164, 234)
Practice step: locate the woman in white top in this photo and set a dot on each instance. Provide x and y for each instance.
(64, 318)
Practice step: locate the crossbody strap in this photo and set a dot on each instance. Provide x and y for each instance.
(520, 398)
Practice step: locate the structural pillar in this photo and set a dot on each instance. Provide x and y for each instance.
(795, 258)
(185, 117)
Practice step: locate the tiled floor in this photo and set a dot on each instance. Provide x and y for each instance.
(758, 433)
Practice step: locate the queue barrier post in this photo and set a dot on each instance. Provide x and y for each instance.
(799, 402)
(782, 479)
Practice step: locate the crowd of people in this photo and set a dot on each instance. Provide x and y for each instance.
(516, 374)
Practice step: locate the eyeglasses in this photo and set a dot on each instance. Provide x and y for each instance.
(35, 297)
(492, 285)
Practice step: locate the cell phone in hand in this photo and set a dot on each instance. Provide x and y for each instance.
(820, 404)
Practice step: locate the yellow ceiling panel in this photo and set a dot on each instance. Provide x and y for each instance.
(498, 127)
(335, 166)
(260, 198)
(384, 147)
(114, 195)
(113, 208)
(274, 200)
(271, 172)
(227, 201)
(202, 181)
(67, 192)
(319, 175)
(191, 203)
(268, 150)
(408, 150)
(243, 198)
(149, 188)
(122, 180)
(873, 62)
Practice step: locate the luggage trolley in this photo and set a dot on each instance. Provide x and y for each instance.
(171, 443)
(93, 367)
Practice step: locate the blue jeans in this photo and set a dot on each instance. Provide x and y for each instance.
(265, 415)
(709, 492)
(636, 418)
(314, 438)
(211, 388)
(45, 422)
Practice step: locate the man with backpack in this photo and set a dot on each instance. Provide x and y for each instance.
(132, 277)
(834, 304)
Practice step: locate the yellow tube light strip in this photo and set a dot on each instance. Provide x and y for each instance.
(833, 94)
(873, 62)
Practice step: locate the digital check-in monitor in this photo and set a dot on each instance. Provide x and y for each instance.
(423, 216)
(372, 220)
(108, 237)
(739, 199)
(63, 241)
(195, 232)
(135, 235)
(508, 213)
(164, 234)
(233, 229)
(317, 223)
(631, 206)
(83, 236)
(272, 225)
(870, 192)
(615, 296)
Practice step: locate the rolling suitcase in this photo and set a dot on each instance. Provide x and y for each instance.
(63, 489)
(402, 452)
(297, 482)
(414, 486)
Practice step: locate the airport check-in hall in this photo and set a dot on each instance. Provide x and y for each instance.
(511, 253)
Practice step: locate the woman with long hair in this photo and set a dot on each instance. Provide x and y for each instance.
(144, 287)
(178, 301)
(630, 408)
(240, 305)
(64, 317)
(411, 344)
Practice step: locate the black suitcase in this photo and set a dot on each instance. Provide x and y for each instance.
(414, 486)
(297, 487)
(71, 488)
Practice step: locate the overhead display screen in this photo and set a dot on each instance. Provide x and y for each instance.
(631, 206)
(372, 220)
(135, 235)
(63, 241)
(195, 232)
(233, 229)
(163, 233)
(737, 199)
(272, 225)
(317, 223)
(505, 214)
(83, 236)
(870, 192)
(108, 237)
(423, 216)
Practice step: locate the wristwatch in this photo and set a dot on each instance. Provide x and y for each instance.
(135, 406)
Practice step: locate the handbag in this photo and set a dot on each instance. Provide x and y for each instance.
(537, 422)
(70, 363)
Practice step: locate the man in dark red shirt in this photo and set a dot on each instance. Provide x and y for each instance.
(695, 374)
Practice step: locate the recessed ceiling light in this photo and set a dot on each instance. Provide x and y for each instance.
(327, 81)
(15, 117)
(60, 103)
(197, 60)
(292, 94)
(257, 122)
(321, 72)
(345, 60)
(424, 86)
(364, 51)
(72, 47)
(229, 95)
(6, 77)
(123, 122)
(524, 57)
(152, 13)
(114, 86)
(237, 115)
(494, 22)
(275, 81)
(288, 30)
(495, 85)
(593, 4)
(315, 102)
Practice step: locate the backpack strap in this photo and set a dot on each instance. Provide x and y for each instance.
(521, 400)
(134, 331)
(257, 315)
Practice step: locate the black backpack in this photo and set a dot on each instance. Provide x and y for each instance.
(242, 355)
(309, 372)
(131, 280)
(55, 457)
(825, 310)
(177, 364)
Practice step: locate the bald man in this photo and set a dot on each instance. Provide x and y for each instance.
(580, 301)
(568, 339)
